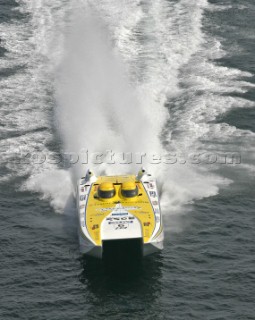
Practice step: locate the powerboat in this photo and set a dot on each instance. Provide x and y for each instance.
(116, 212)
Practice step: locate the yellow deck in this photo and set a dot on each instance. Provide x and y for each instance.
(98, 209)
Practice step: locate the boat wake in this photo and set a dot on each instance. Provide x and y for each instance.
(126, 76)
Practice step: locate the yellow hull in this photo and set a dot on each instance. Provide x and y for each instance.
(119, 218)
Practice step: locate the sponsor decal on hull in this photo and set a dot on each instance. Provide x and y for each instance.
(153, 194)
(114, 208)
(120, 218)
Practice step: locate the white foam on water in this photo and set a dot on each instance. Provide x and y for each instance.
(95, 83)
(54, 186)
(26, 106)
(123, 73)
(23, 110)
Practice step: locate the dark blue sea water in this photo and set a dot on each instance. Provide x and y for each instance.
(190, 59)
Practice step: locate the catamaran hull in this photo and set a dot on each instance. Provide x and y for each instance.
(119, 216)
(89, 249)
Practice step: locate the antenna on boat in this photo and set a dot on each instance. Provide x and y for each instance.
(90, 176)
(141, 174)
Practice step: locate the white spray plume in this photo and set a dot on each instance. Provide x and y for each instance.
(98, 109)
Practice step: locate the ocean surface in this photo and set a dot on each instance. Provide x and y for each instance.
(162, 76)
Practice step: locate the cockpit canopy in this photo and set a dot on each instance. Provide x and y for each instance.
(129, 189)
(106, 190)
